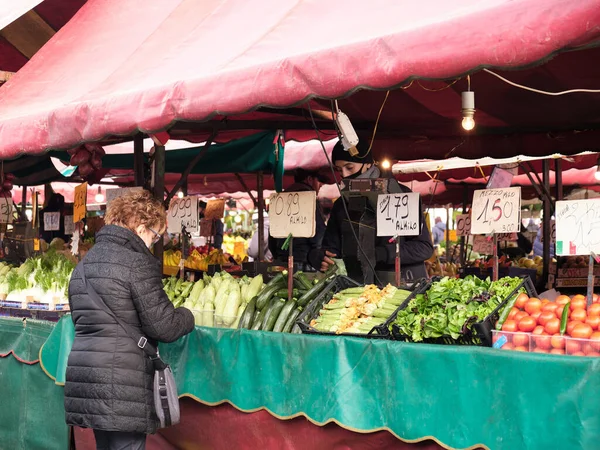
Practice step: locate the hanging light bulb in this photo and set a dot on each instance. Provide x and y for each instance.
(385, 164)
(468, 110)
(99, 195)
(180, 193)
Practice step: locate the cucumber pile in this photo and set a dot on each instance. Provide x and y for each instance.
(358, 310)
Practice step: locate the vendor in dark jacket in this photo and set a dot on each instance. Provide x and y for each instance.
(304, 181)
(340, 242)
(109, 380)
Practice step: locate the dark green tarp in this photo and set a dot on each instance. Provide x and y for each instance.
(459, 396)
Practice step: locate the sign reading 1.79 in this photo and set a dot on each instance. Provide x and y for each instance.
(496, 211)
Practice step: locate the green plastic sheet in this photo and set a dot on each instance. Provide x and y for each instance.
(459, 396)
(32, 415)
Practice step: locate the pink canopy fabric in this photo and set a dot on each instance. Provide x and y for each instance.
(118, 67)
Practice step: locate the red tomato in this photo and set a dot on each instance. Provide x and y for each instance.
(527, 324)
(593, 353)
(539, 350)
(507, 346)
(521, 300)
(593, 321)
(550, 307)
(572, 324)
(520, 340)
(562, 300)
(538, 330)
(594, 309)
(513, 311)
(552, 326)
(578, 302)
(542, 341)
(509, 325)
(545, 316)
(533, 305)
(557, 351)
(559, 310)
(586, 347)
(582, 331)
(595, 298)
(572, 347)
(578, 354)
(545, 301)
(578, 314)
(521, 348)
(557, 341)
(536, 315)
(520, 315)
(595, 338)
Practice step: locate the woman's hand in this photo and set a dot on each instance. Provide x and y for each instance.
(327, 261)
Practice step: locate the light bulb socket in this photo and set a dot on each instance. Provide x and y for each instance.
(468, 100)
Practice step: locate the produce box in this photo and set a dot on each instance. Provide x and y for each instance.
(340, 283)
(480, 332)
(509, 340)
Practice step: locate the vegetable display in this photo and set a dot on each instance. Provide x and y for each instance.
(451, 306)
(359, 309)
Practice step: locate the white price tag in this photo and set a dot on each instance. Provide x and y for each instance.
(577, 227)
(111, 194)
(6, 210)
(463, 224)
(52, 221)
(69, 225)
(483, 245)
(398, 214)
(183, 211)
(293, 212)
(496, 211)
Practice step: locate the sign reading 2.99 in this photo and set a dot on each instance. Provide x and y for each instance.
(496, 211)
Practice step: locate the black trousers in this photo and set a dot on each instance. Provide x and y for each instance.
(119, 440)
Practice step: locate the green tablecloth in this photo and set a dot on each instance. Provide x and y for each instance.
(459, 396)
(32, 415)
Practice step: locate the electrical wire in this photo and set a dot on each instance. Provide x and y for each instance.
(341, 195)
(437, 90)
(538, 91)
(387, 94)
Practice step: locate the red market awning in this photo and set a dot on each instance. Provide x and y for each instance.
(119, 67)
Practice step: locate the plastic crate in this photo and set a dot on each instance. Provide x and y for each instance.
(340, 283)
(481, 332)
(508, 340)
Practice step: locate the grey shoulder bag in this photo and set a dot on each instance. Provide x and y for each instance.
(166, 401)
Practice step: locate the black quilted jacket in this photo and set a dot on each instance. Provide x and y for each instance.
(109, 379)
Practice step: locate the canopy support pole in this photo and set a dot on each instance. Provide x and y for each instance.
(190, 167)
(544, 184)
(23, 202)
(248, 191)
(546, 222)
(138, 159)
(462, 238)
(158, 190)
(261, 217)
(559, 181)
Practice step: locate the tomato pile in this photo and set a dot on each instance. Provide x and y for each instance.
(535, 325)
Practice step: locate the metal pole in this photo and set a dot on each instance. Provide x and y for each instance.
(546, 222)
(159, 190)
(462, 238)
(138, 159)
(558, 175)
(23, 202)
(261, 217)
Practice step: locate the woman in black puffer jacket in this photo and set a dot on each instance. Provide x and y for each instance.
(109, 378)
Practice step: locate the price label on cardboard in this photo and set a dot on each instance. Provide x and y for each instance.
(398, 214)
(496, 211)
(51, 221)
(463, 224)
(206, 227)
(79, 202)
(69, 225)
(577, 227)
(215, 209)
(293, 212)
(183, 212)
(483, 245)
(6, 210)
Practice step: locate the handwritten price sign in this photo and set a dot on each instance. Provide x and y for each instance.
(577, 227)
(496, 211)
(183, 211)
(6, 210)
(51, 221)
(398, 214)
(463, 224)
(79, 202)
(483, 245)
(293, 212)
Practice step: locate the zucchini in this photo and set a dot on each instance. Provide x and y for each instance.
(258, 323)
(301, 278)
(296, 329)
(313, 292)
(267, 293)
(248, 314)
(291, 321)
(254, 318)
(277, 279)
(272, 314)
(283, 316)
(283, 293)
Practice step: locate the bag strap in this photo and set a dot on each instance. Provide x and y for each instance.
(138, 338)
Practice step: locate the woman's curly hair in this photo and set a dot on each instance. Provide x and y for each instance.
(137, 208)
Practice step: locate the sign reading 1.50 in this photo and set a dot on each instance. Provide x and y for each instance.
(496, 211)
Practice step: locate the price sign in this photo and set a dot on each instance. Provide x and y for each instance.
(6, 210)
(293, 212)
(507, 237)
(69, 225)
(483, 245)
(51, 221)
(577, 227)
(398, 214)
(79, 202)
(183, 211)
(206, 227)
(215, 209)
(463, 224)
(111, 194)
(496, 211)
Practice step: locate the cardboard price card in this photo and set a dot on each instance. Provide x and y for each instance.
(6, 210)
(463, 224)
(215, 209)
(483, 245)
(398, 214)
(51, 221)
(496, 211)
(79, 202)
(293, 212)
(577, 227)
(183, 211)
